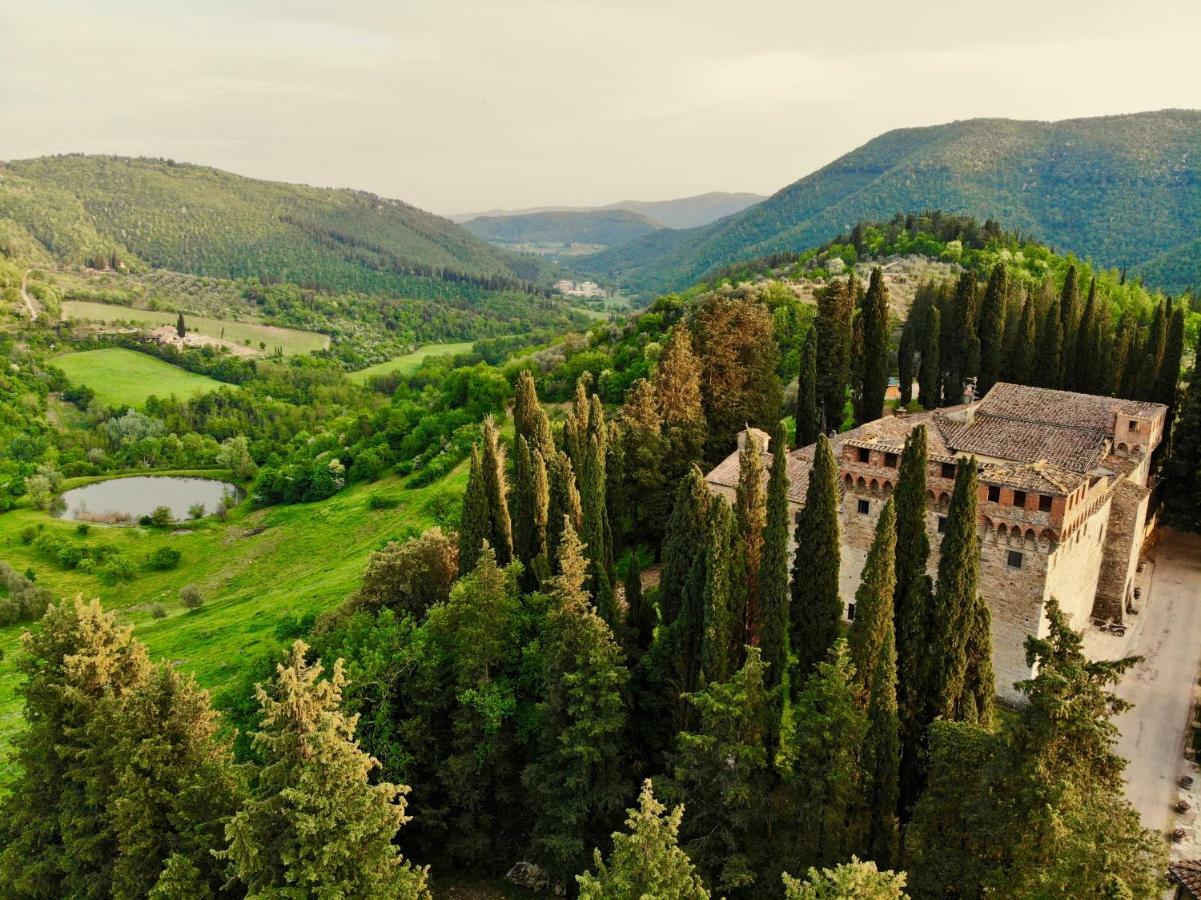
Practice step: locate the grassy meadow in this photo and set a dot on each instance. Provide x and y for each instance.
(259, 571)
(123, 377)
(250, 334)
(410, 362)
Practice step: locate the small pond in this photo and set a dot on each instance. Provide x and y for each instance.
(125, 500)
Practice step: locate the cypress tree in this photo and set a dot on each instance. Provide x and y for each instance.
(1182, 471)
(873, 599)
(1020, 368)
(875, 348)
(474, 524)
(1085, 362)
(905, 370)
(529, 419)
(1168, 382)
(685, 540)
(979, 685)
(617, 516)
(882, 758)
(578, 781)
(806, 397)
(751, 509)
(1069, 317)
(640, 613)
(677, 382)
(992, 329)
(1049, 366)
(816, 609)
(595, 532)
(930, 369)
(774, 595)
(531, 508)
(181, 329)
(1124, 364)
(642, 435)
(959, 349)
(496, 489)
(563, 505)
(314, 819)
(955, 595)
(712, 630)
(835, 306)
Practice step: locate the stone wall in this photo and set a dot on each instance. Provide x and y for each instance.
(1075, 568)
(1123, 543)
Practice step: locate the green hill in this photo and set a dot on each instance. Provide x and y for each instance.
(117, 211)
(1121, 190)
(602, 227)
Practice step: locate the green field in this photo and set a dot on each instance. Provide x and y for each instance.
(259, 572)
(123, 377)
(250, 334)
(409, 363)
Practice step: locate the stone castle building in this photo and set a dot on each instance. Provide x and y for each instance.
(1062, 505)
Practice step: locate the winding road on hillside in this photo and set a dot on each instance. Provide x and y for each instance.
(30, 306)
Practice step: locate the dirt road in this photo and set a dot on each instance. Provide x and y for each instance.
(30, 306)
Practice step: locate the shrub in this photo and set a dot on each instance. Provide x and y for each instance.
(161, 517)
(83, 529)
(163, 558)
(117, 568)
(190, 596)
(158, 611)
(379, 501)
(28, 533)
(196, 511)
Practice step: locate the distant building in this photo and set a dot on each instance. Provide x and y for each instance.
(570, 288)
(1062, 505)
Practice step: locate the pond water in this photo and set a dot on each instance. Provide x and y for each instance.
(125, 500)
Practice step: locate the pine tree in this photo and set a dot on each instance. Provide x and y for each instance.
(992, 329)
(496, 489)
(712, 630)
(642, 434)
(563, 504)
(577, 781)
(807, 411)
(751, 509)
(677, 382)
(646, 862)
(685, 540)
(816, 609)
(57, 841)
(835, 306)
(315, 824)
(955, 595)
(774, 594)
(475, 525)
(930, 370)
(875, 348)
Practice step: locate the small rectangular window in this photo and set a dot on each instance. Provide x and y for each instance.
(1044, 503)
(1019, 499)
(994, 494)
(1133, 425)
(948, 470)
(864, 507)
(797, 517)
(942, 524)
(1015, 559)
(890, 460)
(865, 455)
(851, 612)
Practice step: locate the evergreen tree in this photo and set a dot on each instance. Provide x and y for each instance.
(1049, 366)
(1085, 362)
(874, 599)
(1182, 470)
(57, 839)
(640, 612)
(577, 781)
(1069, 318)
(590, 437)
(959, 348)
(496, 489)
(712, 630)
(725, 775)
(1168, 382)
(314, 823)
(930, 369)
(774, 594)
(685, 541)
(647, 862)
(531, 508)
(642, 428)
(529, 419)
(992, 329)
(181, 328)
(475, 526)
(677, 382)
(835, 307)
(563, 505)
(816, 609)
(751, 509)
(874, 382)
(850, 881)
(955, 595)
(1020, 367)
(979, 683)
(807, 411)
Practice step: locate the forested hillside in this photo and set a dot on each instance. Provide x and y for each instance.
(606, 228)
(115, 212)
(1124, 191)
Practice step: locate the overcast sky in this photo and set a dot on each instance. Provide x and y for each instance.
(461, 105)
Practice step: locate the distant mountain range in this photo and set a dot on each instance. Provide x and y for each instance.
(560, 233)
(684, 212)
(1122, 190)
(101, 210)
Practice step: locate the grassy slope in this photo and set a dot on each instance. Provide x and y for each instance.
(307, 559)
(123, 377)
(409, 363)
(1119, 189)
(292, 340)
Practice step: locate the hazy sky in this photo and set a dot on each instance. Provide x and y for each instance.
(460, 105)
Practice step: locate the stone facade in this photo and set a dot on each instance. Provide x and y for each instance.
(1062, 504)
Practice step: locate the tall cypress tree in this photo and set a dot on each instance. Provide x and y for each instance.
(930, 371)
(874, 599)
(1085, 362)
(685, 540)
(835, 306)
(1168, 381)
(677, 382)
(529, 419)
(1182, 471)
(531, 508)
(774, 596)
(875, 348)
(642, 435)
(992, 329)
(1069, 318)
(475, 525)
(806, 396)
(563, 504)
(979, 683)
(712, 629)
(905, 370)
(496, 489)
(959, 349)
(1020, 367)
(640, 613)
(751, 509)
(816, 609)
(1049, 367)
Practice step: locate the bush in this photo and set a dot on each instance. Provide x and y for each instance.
(196, 511)
(28, 533)
(163, 558)
(83, 529)
(379, 501)
(158, 611)
(161, 517)
(190, 596)
(117, 568)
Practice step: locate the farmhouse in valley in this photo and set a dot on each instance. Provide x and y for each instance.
(1062, 506)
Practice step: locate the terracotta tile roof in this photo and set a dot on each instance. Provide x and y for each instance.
(1042, 476)
(1129, 493)
(1034, 404)
(725, 473)
(1077, 449)
(1187, 874)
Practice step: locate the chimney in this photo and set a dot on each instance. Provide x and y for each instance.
(761, 438)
